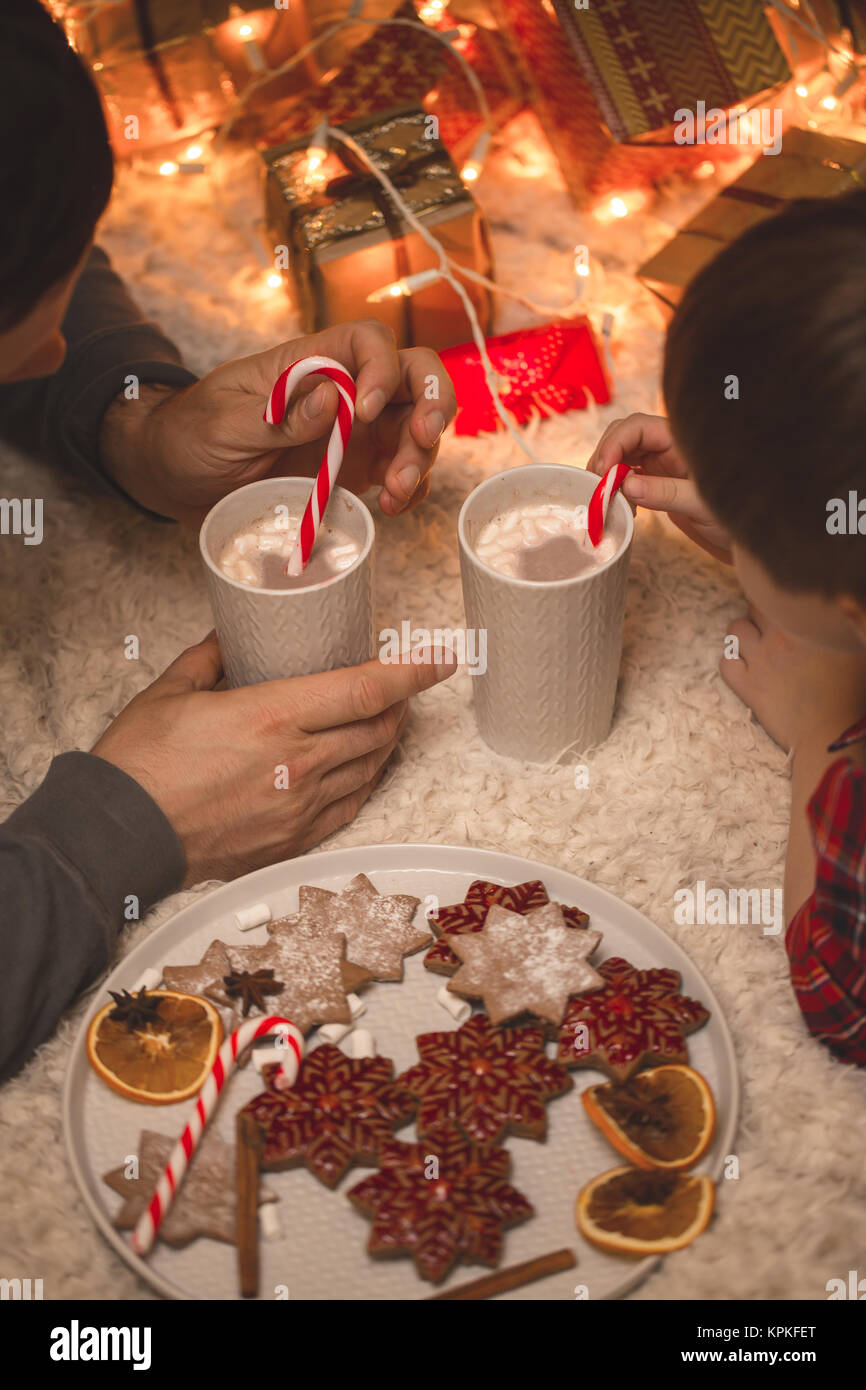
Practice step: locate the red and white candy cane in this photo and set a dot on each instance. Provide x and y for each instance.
(596, 512)
(181, 1155)
(326, 477)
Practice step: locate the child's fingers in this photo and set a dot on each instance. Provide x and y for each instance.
(637, 434)
(664, 494)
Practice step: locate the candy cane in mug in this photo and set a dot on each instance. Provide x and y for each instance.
(181, 1155)
(326, 477)
(596, 512)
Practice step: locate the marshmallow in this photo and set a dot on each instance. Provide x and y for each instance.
(269, 1221)
(459, 1009)
(149, 979)
(255, 916)
(362, 1044)
(334, 1032)
(356, 1005)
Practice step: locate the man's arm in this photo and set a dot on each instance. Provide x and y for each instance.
(86, 852)
(108, 342)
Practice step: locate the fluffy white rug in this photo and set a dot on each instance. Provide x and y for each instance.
(687, 787)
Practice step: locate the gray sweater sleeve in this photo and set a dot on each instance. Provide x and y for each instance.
(90, 840)
(59, 416)
(87, 851)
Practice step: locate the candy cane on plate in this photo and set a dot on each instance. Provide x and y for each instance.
(326, 477)
(181, 1155)
(596, 512)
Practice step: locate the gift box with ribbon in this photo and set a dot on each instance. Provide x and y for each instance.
(606, 80)
(397, 65)
(170, 69)
(810, 165)
(551, 368)
(346, 237)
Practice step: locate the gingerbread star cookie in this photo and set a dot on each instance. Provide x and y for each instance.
(638, 1019)
(194, 979)
(340, 1111)
(377, 927)
(489, 1081)
(440, 1201)
(206, 1204)
(525, 964)
(304, 980)
(471, 914)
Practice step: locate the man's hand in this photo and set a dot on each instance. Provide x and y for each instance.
(662, 480)
(188, 448)
(213, 760)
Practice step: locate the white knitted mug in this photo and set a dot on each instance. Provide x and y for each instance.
(267, 633)
(553, 648)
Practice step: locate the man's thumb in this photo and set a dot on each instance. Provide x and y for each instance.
(197, 668)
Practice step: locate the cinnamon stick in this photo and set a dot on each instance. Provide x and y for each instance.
(512, 1278)
(248, 1150)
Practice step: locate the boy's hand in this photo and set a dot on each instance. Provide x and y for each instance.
(212, 759)
(179, 452)
(802, 694)
(662, 481)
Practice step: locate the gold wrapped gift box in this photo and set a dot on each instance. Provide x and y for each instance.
(810, 165)
(347, 238)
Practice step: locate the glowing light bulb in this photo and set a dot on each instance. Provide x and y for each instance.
(705, 169)
(801, 90)
(274, 281)
(193, 152)
(169, 167)
(618, 208)
(828, 103)
(431, 11)
(582, 270)
(470, 171)
(245, 30)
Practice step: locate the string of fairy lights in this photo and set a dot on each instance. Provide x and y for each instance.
(815, 101)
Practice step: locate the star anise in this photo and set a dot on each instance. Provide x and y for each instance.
(629, 1104)
(135, 1010)
(251, 987)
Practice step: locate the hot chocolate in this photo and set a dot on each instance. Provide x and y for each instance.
(543, 542)
(258, 555)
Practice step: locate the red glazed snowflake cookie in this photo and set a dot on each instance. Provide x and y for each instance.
(471, 914)
(339, 1112)
(440, 1201)
(489, 1081)
(638, 1019)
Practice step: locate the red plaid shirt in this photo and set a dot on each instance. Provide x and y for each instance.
(826, 938)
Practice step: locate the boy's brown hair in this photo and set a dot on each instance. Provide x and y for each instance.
(782, 310)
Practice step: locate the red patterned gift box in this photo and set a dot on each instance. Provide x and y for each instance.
(397, 65)
(642, 70)
(549, 369)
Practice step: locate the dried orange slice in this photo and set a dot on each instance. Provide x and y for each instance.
(156, 1047)
(663, 1118)
(632, 1212)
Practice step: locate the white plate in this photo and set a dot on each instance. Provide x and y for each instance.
(322, 1254)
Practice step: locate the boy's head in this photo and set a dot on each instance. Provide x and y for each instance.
(55, 179)
(764, 377)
